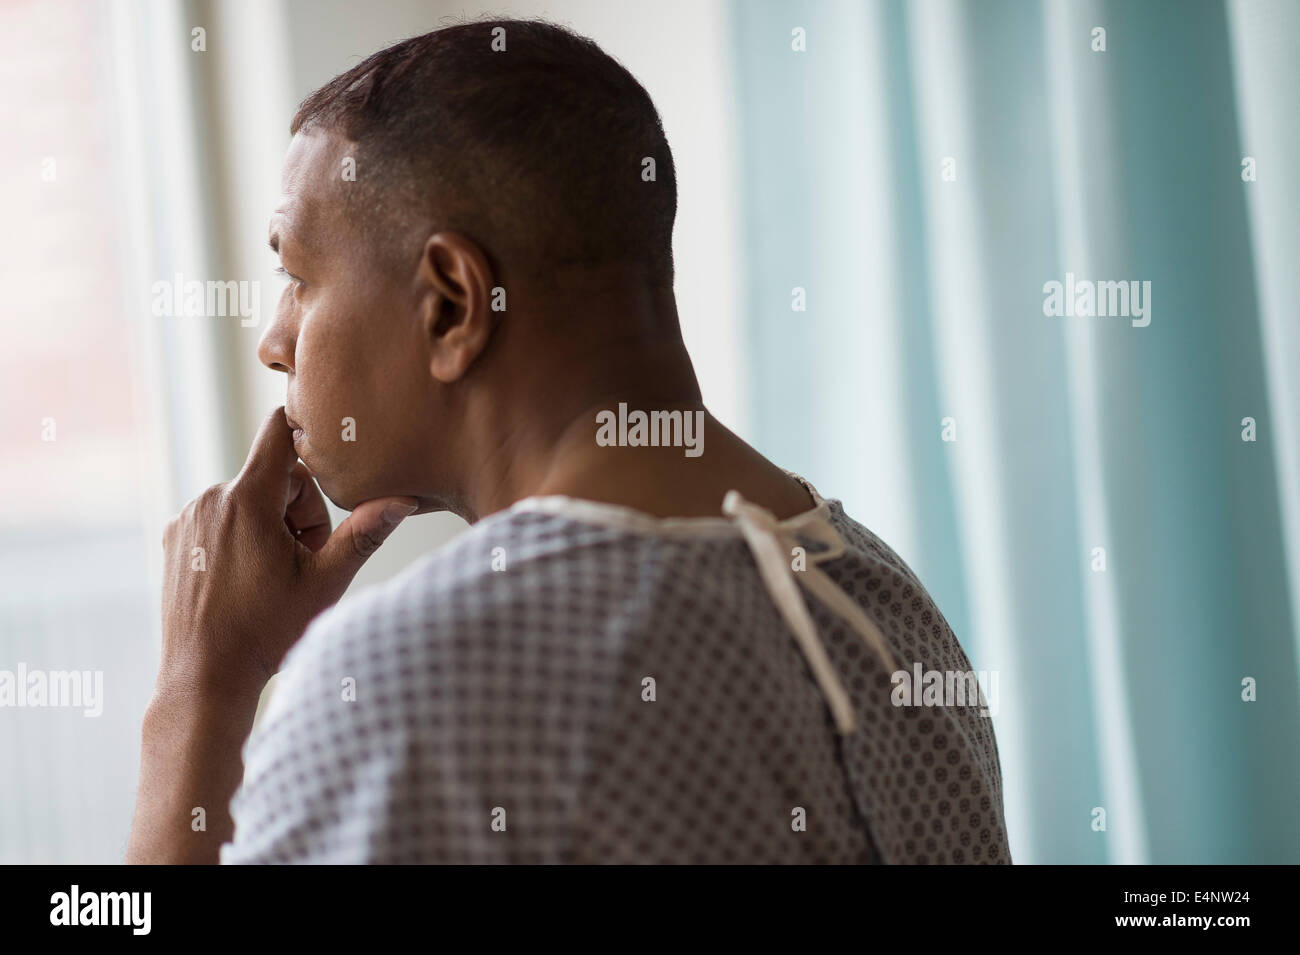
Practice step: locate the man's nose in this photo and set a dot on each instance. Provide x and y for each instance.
(275, 350)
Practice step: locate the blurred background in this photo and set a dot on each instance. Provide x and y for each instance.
(872, 196)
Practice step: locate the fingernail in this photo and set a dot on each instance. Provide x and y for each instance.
(395, 513)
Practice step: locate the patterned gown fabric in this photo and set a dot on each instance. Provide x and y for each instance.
(573, 682)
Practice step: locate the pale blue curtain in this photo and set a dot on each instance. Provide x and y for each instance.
(1078, 440)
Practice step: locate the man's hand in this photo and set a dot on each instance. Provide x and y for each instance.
(248, 565)
(251, 562)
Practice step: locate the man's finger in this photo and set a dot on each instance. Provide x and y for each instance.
(306, 514)
(272, 457)
(356, 538)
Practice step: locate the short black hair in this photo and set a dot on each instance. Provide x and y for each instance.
(536, 152)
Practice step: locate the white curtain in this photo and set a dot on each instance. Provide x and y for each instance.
(1096, 529)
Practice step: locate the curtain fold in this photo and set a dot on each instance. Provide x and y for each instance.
(1074, 490)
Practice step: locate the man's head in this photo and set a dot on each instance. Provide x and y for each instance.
(451, 205)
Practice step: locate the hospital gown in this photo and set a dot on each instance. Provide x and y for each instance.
(576, 682)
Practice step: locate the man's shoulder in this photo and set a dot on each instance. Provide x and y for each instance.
(501, 613)
(500, 576)
(870, 545)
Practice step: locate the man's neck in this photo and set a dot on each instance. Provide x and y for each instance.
(603, 344)
(663, 480)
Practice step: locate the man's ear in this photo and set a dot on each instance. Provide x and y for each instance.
(456, 284)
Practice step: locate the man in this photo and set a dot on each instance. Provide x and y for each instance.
(653, 645)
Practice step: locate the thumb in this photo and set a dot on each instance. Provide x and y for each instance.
(357, 537)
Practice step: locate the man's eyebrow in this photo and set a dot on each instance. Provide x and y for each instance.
(274, 241)
(284, 228)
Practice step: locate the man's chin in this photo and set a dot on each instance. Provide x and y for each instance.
(339, 493)
(347, 494)
(349, 497)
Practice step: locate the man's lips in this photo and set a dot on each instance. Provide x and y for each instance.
(297, 428)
